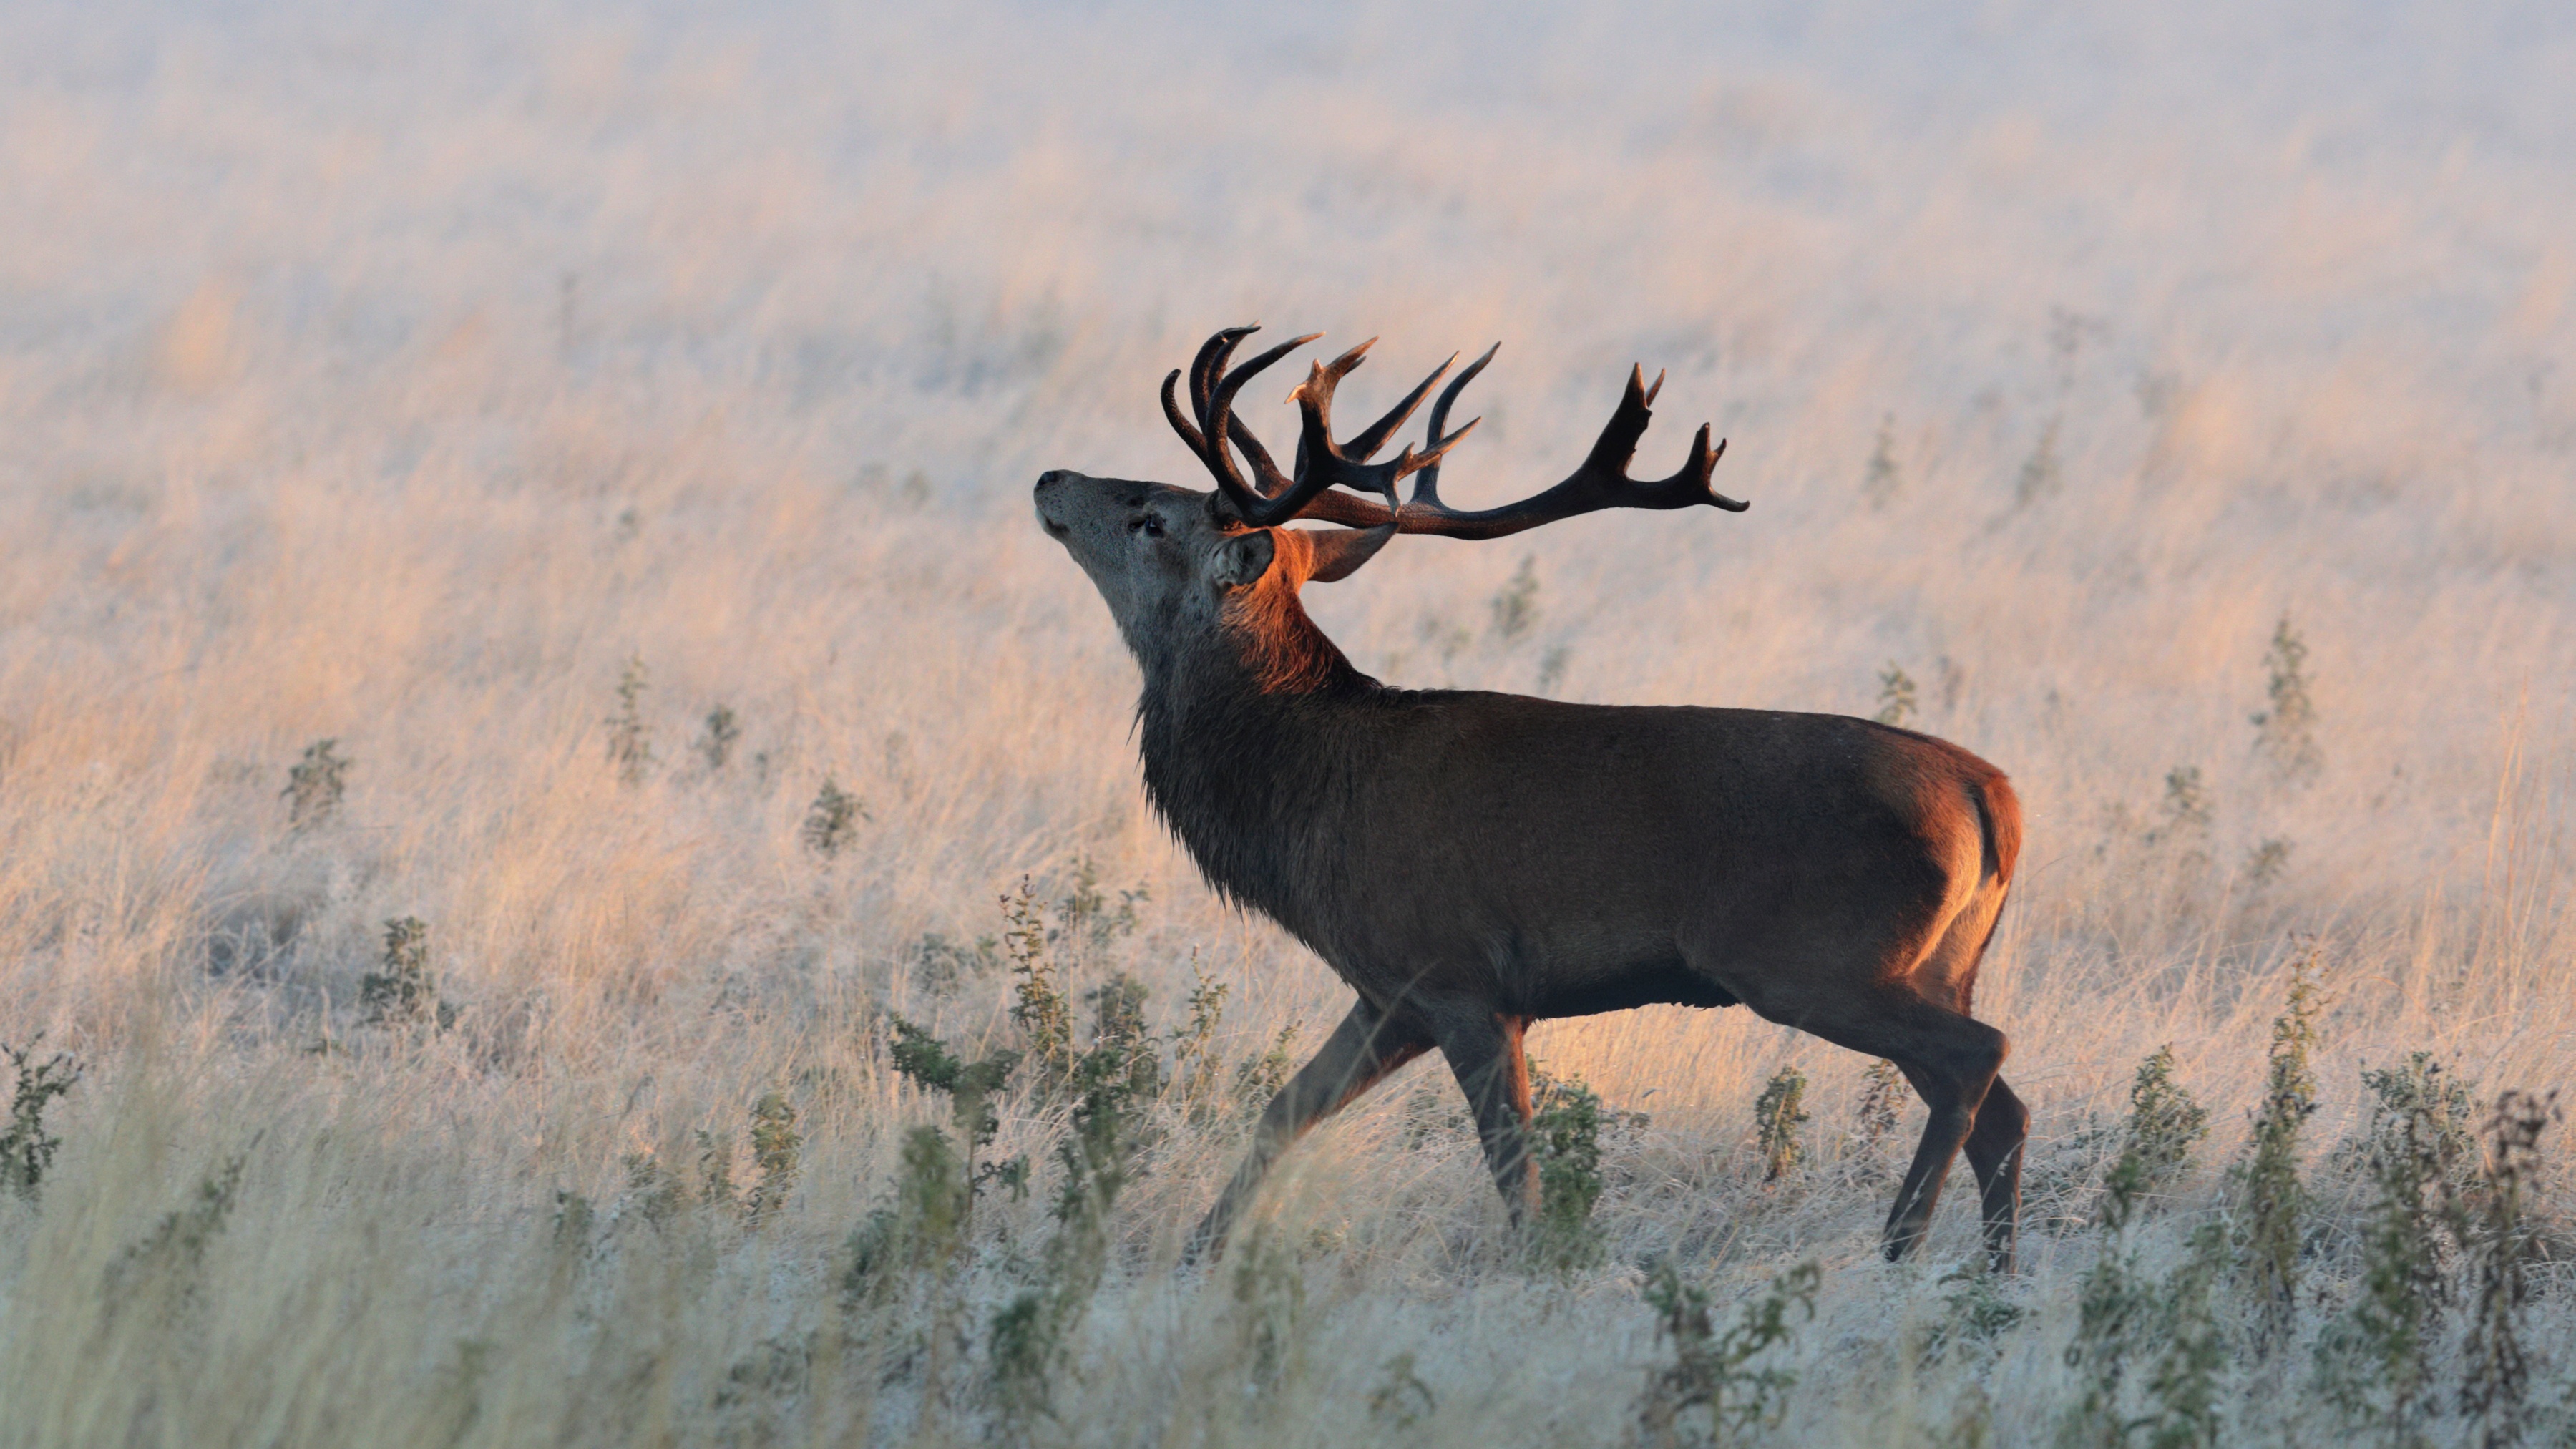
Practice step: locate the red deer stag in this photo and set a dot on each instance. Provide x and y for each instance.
(1470, 862)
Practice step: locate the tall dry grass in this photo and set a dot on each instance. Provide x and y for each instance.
(396, 378)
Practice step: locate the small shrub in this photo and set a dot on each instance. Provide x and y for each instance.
(2423, 1125)
(630, 739)
(2188, 813)
(1777, 1115)
(715, 1170)
(2165, 1123)
(575, 1220)
(1896, 695)
(2285, 733)
(1120, 1037)
(314, 785)
(934, 1197)
(1978, 1315)
(2116, 1308)
(1880, 481)
(2068, 331)
(2041, 473)
(404, 991)
(1552, 666)
(1196, 1067)
(928, 1224)
(1270, 1306)
(2266, 1195)
(717, 736)
(174, 1248)
(2497, 1373)
(777, 1367)
(1882, 1100)
(2182, 1388)
(832, 820)
(26, 1148)
(2266, 862)
(1040, 1008)
(1258, 1079)
(1447, 639)
(652, 1196)
(1515, 607)
(943, 965)
(1401, 1400)
(1565, 1137)
(2062, 1175)
(775, 1148)
(1084, 919)
(1098, 1154)
(2122, 1315)
(970, 1089)
(2372, 1358)
(1024, 1349)
(1032, 1333)
(1972, 1421)
(1712, 1372)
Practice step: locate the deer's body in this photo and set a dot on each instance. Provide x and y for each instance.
(1471, 862)
(1418, 840)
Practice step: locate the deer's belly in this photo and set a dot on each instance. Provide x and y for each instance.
(1667, 985)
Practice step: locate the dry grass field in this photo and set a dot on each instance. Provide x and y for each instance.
(593, 448)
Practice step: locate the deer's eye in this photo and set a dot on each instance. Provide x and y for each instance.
(1149, 525)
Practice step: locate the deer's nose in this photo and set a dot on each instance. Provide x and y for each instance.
(1047, 482)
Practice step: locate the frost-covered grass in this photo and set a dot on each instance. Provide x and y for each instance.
(499, 394)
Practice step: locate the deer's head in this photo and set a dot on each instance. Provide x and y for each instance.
(1175, 565)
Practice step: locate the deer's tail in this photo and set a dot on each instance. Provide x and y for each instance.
(1999, 820)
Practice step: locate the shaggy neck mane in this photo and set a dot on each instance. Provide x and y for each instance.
(1245, 738)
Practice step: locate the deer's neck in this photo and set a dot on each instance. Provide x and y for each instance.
(1251, 745)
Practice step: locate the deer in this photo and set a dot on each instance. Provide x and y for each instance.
(1470, 863)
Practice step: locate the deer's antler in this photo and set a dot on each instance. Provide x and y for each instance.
(1322, 463)
(1601, 481)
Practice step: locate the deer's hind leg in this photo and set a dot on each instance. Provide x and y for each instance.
(1848, 998)
(1994, 1148)
(1952, 1060)
(1948, 975)
(1359, 1054)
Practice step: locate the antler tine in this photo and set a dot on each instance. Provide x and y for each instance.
(1374, 436)
(1325, 377)
(1209, 365)
(1217, 418)
(1323, 463)
(1211, 397)
(1272, 481)
(1204, 367)
(1605, 468)
(1172, 414)
(1365, 445)
(1426, 483)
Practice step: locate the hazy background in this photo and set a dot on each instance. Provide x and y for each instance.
(396, 374)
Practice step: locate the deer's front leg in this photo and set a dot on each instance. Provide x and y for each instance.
(1357, 1056)
(1485, 1052)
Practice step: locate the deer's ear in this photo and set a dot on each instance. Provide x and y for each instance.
(1339, 552)
(1243, 558)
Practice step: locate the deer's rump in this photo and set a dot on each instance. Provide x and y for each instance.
(1565, 859)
